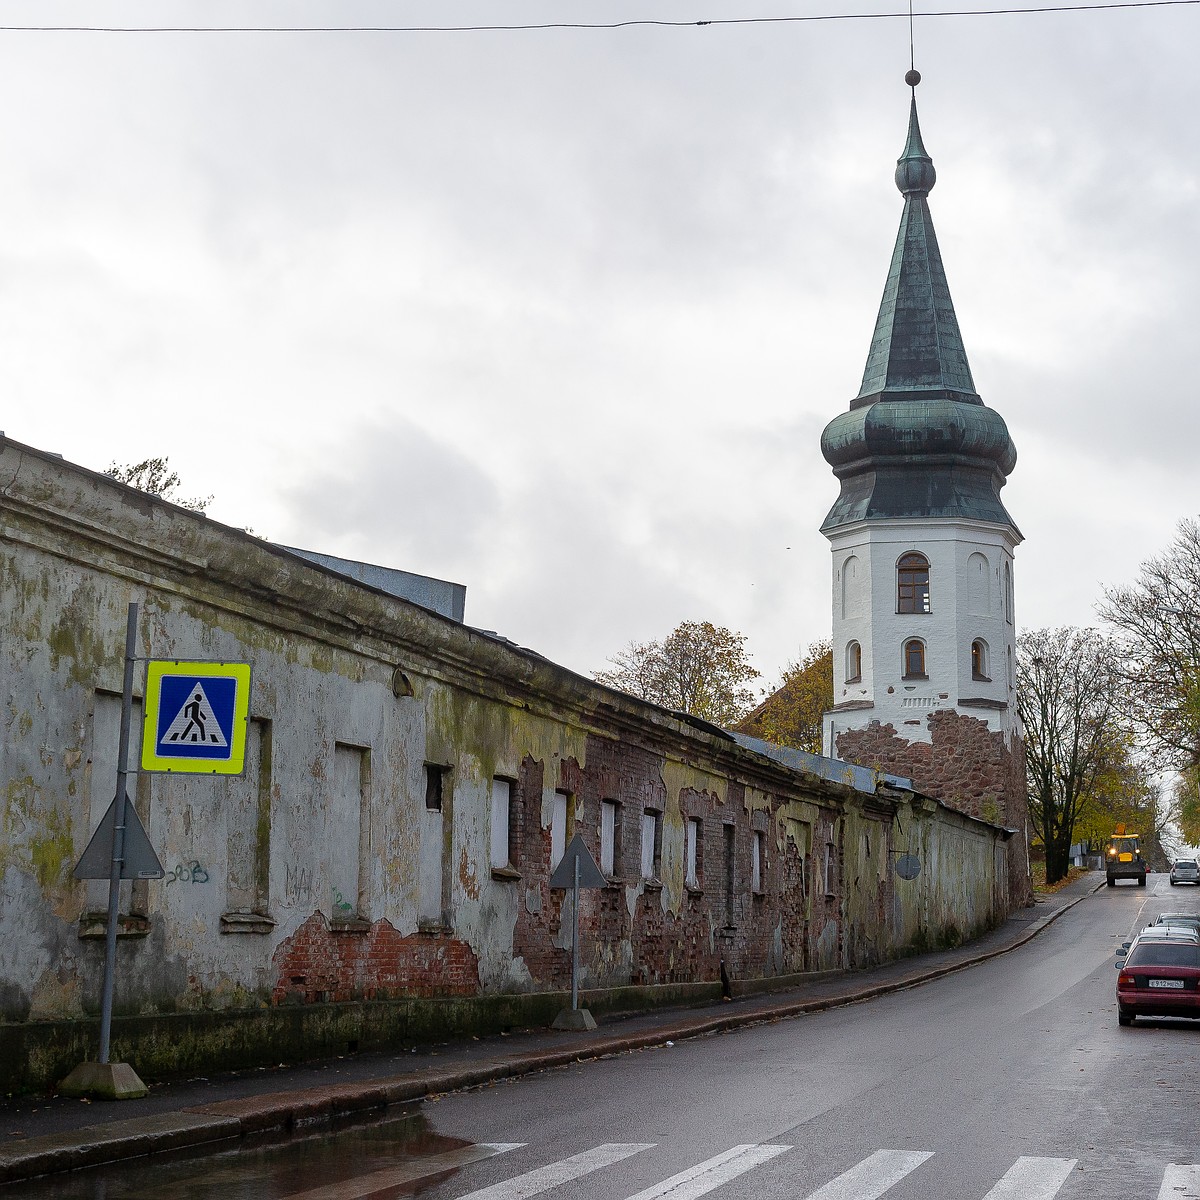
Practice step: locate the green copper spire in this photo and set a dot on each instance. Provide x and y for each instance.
(917, 440)
(917, 352)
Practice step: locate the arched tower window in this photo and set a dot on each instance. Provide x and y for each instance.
(1008, 594)
(979, 599)
(912, 584)
(914, 659)
(980, 666)
(851, 587)
(853, 663)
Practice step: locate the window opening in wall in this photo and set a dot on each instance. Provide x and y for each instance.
(830, 863)
(853, 663)
(558, 829)
(730, 873)
(433, 787)
(757, 854)
(914, 659)
(979, 661)
(610, 841)
(692, 874)
(912, 584)
(1008, 594)
(501, 824)
(651, 843)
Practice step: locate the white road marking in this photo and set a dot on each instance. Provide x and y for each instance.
(544, 1178)
(406, 1172)
(712, 1173)
(1033, 1179)
(870, 1178)
(1180, 1183)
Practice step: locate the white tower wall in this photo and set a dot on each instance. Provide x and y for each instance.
(970, 589)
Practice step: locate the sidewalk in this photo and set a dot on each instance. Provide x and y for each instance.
(39, 1136)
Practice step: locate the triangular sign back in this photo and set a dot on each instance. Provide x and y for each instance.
(140, 861)
(590, 875)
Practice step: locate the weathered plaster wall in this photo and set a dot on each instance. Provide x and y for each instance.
(322, 875)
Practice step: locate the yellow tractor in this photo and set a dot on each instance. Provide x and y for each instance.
(1123, 858)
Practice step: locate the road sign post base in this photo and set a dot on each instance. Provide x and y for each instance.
(104, 1081)
(574, 1018)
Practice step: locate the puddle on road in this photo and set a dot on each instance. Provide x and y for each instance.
(273, 1168)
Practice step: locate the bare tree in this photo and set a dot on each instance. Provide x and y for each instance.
(1068, 695)
(1158, 618)
(154, 476)
(699, 668)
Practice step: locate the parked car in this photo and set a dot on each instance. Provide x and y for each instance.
(1158, 976)
(1186, 931)
(1185, 870)
(1191, 920)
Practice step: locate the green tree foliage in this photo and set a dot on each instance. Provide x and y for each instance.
(1123, 794)
(699, 668)
(1068, 696)
(154, 475)
(791, 714)
(1185, 806)
(1158, 623)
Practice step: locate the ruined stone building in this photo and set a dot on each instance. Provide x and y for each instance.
(380, 870)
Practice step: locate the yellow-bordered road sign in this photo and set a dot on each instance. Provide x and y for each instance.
(196, 717)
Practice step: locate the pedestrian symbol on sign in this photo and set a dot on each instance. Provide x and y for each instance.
(195, 719)
(195, 723)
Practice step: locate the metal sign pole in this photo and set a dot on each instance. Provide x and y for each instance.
(575, 944)
(118, 841)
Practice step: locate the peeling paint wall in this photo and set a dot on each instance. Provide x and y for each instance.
(356, 857)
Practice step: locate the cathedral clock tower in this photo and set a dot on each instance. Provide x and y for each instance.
(924, 629)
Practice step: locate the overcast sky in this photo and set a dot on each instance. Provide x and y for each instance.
(561, 315)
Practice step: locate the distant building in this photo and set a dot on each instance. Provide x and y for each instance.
(924, 628)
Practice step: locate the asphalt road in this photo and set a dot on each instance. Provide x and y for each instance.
(1007, 1081)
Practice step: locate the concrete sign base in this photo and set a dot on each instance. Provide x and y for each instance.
(104, 1081)
(574, 1018)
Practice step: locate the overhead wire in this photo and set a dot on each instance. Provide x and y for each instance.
(595, 25)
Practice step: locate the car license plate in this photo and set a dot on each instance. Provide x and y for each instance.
(1166, 983)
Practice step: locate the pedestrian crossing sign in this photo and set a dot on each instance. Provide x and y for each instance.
(196, 714)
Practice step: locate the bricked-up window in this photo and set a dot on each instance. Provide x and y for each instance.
(694, 835)
(610, 838)
(853, 663)
(912, 584)
(914, 659)
(758, 843)
(651, 843)
(558, 829)
(501, 824)
(433, 787)
(979, 660)
(830, 868)
(730, 873)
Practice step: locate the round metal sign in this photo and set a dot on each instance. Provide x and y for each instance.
(908, 866)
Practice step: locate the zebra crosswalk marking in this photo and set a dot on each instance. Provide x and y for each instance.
(1180, 1183)
(1033, 1179)
(712, 1173)
(407, 1172)
(869, 1179)
(542, 1179)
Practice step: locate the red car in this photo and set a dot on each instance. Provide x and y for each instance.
(1159, 977)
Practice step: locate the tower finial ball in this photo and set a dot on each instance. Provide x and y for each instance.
(912, 78)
